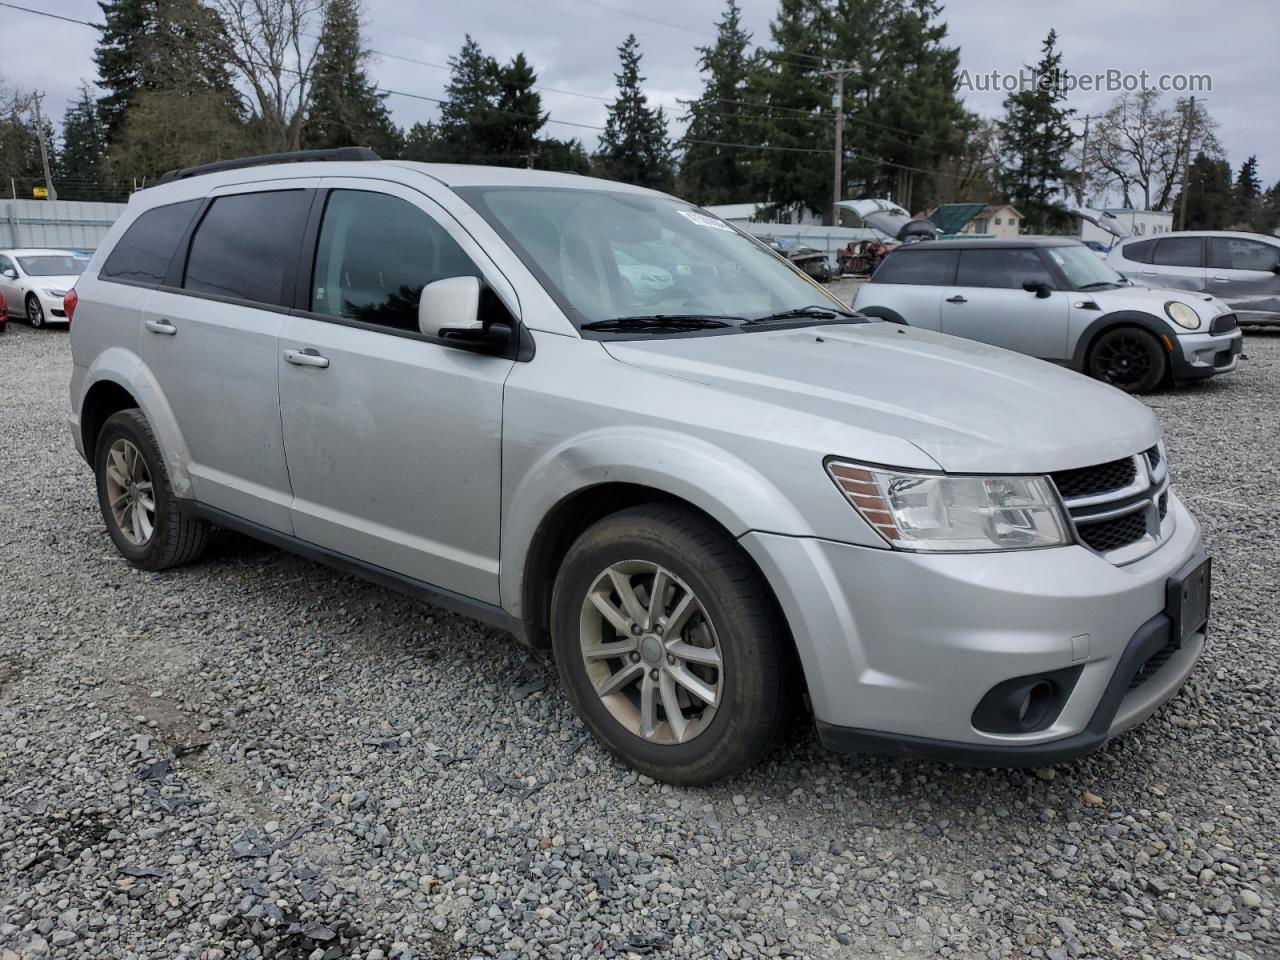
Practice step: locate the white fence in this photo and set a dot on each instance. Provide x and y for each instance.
(64, 224)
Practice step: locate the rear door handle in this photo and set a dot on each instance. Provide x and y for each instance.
(162, 327)
(306, 358)
(1219, 279)
(957, 299)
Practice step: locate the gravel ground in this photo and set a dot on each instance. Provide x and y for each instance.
(257, 757)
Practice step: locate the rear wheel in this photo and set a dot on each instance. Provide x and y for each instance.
(1130, 359)
(151, 527)
(35, 312)
(668, 648)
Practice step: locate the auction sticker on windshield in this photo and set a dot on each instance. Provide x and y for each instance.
(702, 220)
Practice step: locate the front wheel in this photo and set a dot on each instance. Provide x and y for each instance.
(668, 648)
(1130, 359)
(35, 312)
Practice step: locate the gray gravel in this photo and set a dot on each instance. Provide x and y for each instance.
(257, 757)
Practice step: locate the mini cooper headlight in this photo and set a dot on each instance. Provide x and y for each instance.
(941, 512)
(1182, 315)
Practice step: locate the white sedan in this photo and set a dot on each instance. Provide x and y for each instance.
(34, 282)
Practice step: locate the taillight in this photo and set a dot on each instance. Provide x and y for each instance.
(69, 302)
(4, 310)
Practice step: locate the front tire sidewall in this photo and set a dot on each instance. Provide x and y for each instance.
(130, 425)
(750, 712)
(35, 317)
(1159, 362)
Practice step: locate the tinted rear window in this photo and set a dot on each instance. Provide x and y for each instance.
(246, 246)
(916, 266)
(1179, 252)
(144, 252)
(1139, 252)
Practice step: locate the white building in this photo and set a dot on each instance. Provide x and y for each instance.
(995, 220)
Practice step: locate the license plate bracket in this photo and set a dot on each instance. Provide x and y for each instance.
(1187, 602)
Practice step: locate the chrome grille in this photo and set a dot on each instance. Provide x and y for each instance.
(1120, 508)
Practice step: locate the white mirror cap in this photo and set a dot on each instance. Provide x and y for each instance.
(452, 304)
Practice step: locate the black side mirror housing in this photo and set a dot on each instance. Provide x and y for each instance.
(1038, 287)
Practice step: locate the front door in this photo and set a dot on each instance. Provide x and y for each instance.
(212, 343)
(1242, 271)
(1178, 263)
(988, 302)
(394, 440)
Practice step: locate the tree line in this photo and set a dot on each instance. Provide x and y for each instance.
(182, 82)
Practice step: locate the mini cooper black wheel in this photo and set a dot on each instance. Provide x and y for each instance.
(152, 528)
(1130, 359)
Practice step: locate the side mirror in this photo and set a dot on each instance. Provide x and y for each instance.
(1038, 287)
(451, 308)
(9, 273)
(1276, 268)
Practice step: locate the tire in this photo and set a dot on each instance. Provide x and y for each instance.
(35, 312)
(174, 536)
(1128, 358)
(733, 622)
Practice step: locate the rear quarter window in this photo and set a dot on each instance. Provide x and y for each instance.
(143, 254)
(1139, 252)
(933, 267)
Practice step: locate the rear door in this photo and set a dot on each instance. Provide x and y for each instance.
(1178, 262)
(394, 440)
(988, 302)
(908, 282)
(210, 336)
(1242, 271)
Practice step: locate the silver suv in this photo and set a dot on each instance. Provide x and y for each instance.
(1053, 298)
(608, 422)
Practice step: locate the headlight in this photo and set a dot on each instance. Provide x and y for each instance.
(1182, 315)
(55, 293)
(939, 512)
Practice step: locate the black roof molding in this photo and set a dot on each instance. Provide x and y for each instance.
(297, 156)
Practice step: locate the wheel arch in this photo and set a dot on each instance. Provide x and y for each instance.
(101, 400)
(1112, 321)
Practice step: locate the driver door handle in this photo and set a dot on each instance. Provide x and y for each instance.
(1219, 279)
(306, 358)
(163, 327)
(957, 299)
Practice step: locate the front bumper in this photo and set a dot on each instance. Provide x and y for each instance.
(899, 648)
(1200, 355)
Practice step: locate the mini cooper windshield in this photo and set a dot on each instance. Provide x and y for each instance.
(627, 264)
(1083, 268)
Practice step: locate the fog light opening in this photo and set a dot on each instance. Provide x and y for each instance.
(1036, 702)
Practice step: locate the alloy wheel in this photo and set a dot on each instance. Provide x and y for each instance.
(651, 652)
(35, 312)
(1123, 360)
(130, 493)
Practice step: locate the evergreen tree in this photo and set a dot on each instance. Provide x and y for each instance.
(1036, 138)
(712, 172)
(82, 163)
(565, 156)
(150, 45)
(634, 147)
(795, 120)
(1269, 212)
(1248, 190)
(520, 115)
(421, 143)
(346, 108)
(468, 118)
(1210, 198)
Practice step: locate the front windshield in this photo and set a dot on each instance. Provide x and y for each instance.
(607, 255)
(1082, 266)
(47, 265)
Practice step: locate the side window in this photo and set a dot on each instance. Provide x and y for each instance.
(931, 267)
(5, 264)
(1237, 253)
(1001, 268)
(246, 246)
(1179, 252)
(1139, 252)
(144, 252)
(376, 253)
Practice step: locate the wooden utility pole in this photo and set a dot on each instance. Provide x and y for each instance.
(837, 102)
(51, 194)
(1186, 164)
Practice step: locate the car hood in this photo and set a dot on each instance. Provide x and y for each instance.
(970, 407)
(52, 283)
(1152, 300)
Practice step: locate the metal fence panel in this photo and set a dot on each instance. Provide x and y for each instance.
(63, 224)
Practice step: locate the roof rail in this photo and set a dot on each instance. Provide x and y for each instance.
(297, 156)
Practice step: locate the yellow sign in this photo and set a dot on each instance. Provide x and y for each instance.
(40, 193)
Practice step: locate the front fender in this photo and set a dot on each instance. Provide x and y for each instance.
(126, 369)
(726, 488)
(1117, 318)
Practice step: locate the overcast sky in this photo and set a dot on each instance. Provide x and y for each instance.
(572, 44)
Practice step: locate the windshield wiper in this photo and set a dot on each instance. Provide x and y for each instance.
(661, 321)
(811, 312)
(1098, 283)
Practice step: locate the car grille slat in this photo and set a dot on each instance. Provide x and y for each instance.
(1118, 505)
(1117, 532)
(1088, 481)
(1224, 324)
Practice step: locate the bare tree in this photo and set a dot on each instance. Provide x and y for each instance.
(272, 45)
(1139, 145)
